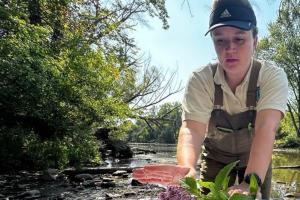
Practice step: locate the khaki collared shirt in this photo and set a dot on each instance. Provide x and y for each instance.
(198, 99)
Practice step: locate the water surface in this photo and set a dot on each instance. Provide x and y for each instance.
(285, 182)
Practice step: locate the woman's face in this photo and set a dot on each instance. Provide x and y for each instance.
(234, 48)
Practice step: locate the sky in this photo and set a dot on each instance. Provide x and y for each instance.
(183, 47)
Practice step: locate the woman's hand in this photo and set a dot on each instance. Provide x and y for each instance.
(242, 188)
(164, 174)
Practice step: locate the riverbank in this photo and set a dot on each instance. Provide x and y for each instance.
(287, 150)
(56, 185)
(114, 181)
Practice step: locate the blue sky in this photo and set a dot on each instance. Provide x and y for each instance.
(183, 46)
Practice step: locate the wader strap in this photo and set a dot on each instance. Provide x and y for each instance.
(252, 87)
(218, 102)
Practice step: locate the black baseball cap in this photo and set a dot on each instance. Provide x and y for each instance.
(235, 13)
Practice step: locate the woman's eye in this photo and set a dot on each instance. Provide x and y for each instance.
(239, 40)
(220, 41)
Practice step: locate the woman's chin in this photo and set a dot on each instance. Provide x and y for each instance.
(231, 67)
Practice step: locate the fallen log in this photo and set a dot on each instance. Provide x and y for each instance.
(96, 170)
(287, 167)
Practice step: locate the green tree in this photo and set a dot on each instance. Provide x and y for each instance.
(161, 125)
(283, 47)
(68, 67)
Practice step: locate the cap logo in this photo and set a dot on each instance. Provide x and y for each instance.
(225, 14)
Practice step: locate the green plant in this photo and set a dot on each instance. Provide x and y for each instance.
(218, 189)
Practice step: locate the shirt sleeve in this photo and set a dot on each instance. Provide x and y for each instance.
(274, 90)
(197, 102)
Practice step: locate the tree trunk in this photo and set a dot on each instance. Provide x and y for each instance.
(34, 12)
(294, 118)
(298, 105)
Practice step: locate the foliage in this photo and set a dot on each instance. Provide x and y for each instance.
(282, 46)
(286, 136)
(67, 68)
(22, 148)
(218, 189)
(290, 141)
(161, 125)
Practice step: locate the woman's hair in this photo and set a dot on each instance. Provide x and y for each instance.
(254, 31)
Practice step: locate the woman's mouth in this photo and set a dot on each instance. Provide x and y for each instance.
(231, 60)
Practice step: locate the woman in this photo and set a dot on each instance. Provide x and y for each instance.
(232, 108)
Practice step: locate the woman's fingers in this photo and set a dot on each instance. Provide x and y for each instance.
(160, 174)
(138, 173)
(167, 168)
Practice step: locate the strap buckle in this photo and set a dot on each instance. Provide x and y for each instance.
(217, 107)
(251, 108)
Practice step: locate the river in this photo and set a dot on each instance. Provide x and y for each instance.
(285, 182)
(102, 186)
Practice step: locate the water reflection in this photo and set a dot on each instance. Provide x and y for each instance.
(287, 181)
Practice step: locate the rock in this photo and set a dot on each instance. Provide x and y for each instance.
(2, 183)
(137, 150)
(105, 179)
(23, 172)
(119, 173)
(98, 184)
(135, 182)
(50, 174)
(23, 186)
(65, 195)
(83, 177)
(289, 195)
(31, 194)
(89, 183)
(112, 196)
(114, 148)
(125, 175)
(130, 193)
(108, 184)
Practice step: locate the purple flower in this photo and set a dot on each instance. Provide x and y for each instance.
(174, 192)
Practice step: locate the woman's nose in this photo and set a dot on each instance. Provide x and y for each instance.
(230, 45)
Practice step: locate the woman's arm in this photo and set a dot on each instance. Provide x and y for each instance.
(266, 124)
(191, 137)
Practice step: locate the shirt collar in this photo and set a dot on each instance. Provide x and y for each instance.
(219, 77)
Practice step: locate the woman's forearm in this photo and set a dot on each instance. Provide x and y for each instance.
(261, 152)
(189, 145)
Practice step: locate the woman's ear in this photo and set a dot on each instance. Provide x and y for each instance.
(255, 42)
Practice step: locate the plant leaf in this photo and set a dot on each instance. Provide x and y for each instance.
(238, 196)
(253, 187)
(208, 185)
(222, 195)
(225, 183)
(221, 179)
(209, 196)
(190, 184)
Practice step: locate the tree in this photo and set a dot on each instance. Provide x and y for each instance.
(283, 47)
(68, 67)
(162, 125)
